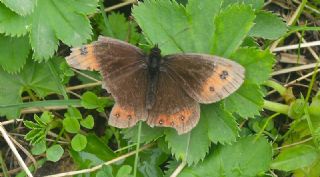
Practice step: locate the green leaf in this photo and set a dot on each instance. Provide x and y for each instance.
(98, 147)
(268, 26)
(231, 27)
(188, 26)
(13, 24)
(247, 101)
(222, 126)
(88, 122)
(295, 157)
(147, 135)
(84, 6)
(192, 146)
(89, 100)
(46, 117)
(54, 20)
(31, 125)
(73, 113)
(256, 4)
(245, 158)
(39, 148)
(151, 162)
(118, 27)
(79, 142)
(23, 8)
(314, 106)
(33, 76)
(124, 171)
(54, 153)
(13, 53)
(71, 125)
(105, 171)
(258, 64)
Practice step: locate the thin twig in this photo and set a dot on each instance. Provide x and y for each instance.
(313, 53)
(294, 144)
(100, 166)
(296, 46)
(77, 87)
(85, 75)
(14, 150)
(293, 69)
(178, 169)
(10, 121)
(26, 152)
(117, 6)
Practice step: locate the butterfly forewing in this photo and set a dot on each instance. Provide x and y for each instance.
(123, 68)
(173, 107)
(205, 78)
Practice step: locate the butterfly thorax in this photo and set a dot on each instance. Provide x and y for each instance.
(154, 61)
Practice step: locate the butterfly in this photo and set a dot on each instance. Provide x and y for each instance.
(163, 91)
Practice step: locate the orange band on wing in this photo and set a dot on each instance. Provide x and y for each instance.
(83, 58)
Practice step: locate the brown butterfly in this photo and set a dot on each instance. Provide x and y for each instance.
(161, 90)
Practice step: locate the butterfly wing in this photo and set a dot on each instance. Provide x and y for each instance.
(123, 68)
(173, 107)
(205, 78)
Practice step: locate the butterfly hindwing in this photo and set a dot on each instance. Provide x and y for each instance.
(173, 107)
(205, 78)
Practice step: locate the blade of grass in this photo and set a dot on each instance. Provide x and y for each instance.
(71, 102)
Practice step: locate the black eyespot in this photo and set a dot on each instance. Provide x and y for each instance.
(129, 117)
(160, 122)
(83, 50)
(182, 117)
(117, 115)
(211, 89)
(224, 74)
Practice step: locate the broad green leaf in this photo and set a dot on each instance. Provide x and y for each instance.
(88, 122)
(231, 27)
(21, 7)
(39, 148)
(245, 158)
(33, 76)
(73, 113)
(147, 135)
(247, 101)
(57, 19)
(105, 171)
(84, 6)
(191, 146)
(256, 4)
(13, 53)
(89, 100)
(310, 171)
(79, 142)
(268, 26)
(71, 125)
(118, 27)
(54, 153)
(188, 26)
(151, 161)
(124, 171)
(295, 157)
(13, 24)
(201, 24)
(222, 126)
(258, 64)
(155, 24)
(98, 147)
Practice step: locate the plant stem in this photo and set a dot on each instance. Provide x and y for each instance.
(276, 107)
(265, 125)
(73, 102)
(137, 151)
(276, 86)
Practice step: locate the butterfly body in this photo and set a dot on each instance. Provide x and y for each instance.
(161, 90)
(154, 63)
